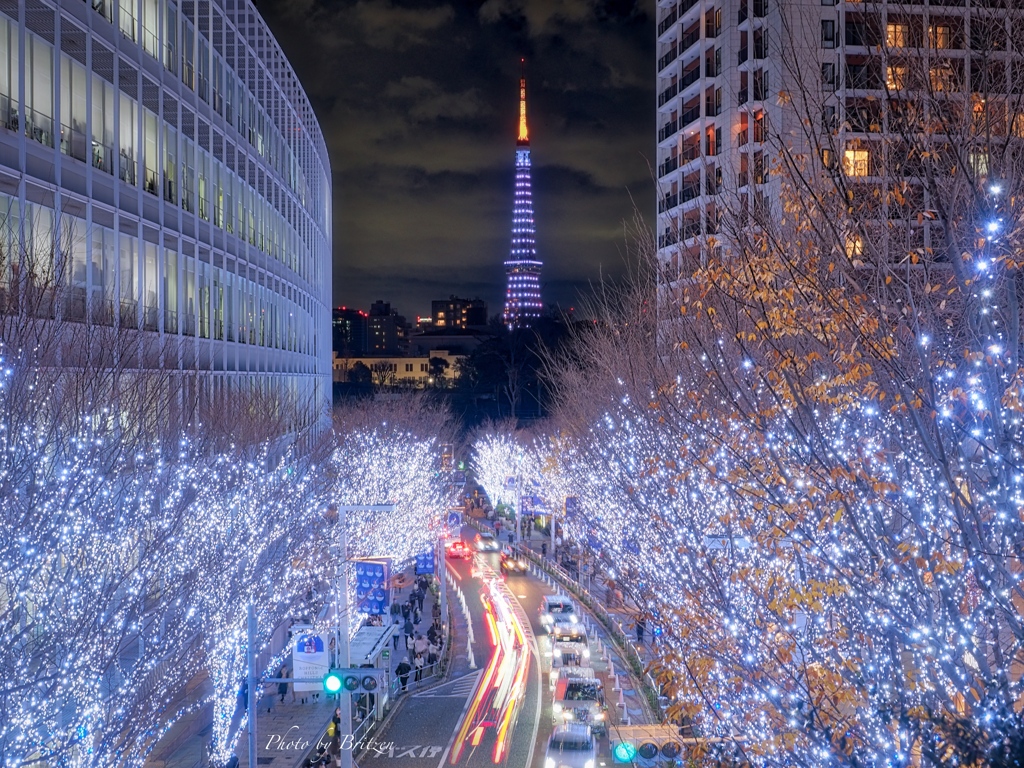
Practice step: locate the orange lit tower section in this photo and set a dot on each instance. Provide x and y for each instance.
(522, 268)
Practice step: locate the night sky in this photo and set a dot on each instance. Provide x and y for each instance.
(418, 103)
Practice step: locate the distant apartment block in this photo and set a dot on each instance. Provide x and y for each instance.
(459, 313)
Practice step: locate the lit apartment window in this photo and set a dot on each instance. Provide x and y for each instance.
(828, 33)
(896, 35)
(856, 162)
(896, 78)
(854, 245)
(941, 77)
(978, 161)
(939, 36)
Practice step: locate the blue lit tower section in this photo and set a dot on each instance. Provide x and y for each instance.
(522, 297)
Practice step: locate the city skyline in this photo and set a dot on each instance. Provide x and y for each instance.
(418, 130)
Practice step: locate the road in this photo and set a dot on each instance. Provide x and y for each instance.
(496, 708)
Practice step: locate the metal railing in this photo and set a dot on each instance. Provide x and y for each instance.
(616, 633)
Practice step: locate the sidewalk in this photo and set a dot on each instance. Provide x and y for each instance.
(290, 731)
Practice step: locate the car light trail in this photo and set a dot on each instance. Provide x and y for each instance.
(501, 689)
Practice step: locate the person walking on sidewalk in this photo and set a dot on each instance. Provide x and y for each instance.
(282, 688)
(403, 670)
(419, 662)
(420, 646)
(641, 626)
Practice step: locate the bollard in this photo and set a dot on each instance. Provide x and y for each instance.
(625, 718)
(622, 702)
(615, 684)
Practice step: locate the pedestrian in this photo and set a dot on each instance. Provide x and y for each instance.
(497, 527)
(641, 626)
(420, 645)
(410, 630)
(432, 633)
(419, 662)
(416, 616)
(432, 654)
(543, 549)
(421, 594)
(435, 612)
(282, 688)
(403, 670)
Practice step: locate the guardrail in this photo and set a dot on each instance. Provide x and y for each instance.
(627, 650)
(620, 639)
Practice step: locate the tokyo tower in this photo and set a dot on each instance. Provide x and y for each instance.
(522, 268)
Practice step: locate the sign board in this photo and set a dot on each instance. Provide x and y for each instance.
(459, 478)
(310, 658)
(454, 519)
(572, 507)
(425, 562)
(371, 581)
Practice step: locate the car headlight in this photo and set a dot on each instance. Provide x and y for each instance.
(599, 716)
(586, 653)
(567, 714)
(522, 563)
(573, 619)
(550, 763)
(588, 764)
(557, 707)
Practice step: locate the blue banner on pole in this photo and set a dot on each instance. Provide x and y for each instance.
(372, 594)
(572, 507)
(425, 563)
(454, 519)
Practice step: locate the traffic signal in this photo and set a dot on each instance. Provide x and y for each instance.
(650, 746)
(356, 680)
(646, 745)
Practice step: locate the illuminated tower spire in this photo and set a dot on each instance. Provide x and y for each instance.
(522, 268)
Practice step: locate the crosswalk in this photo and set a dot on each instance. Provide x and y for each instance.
(460, 688)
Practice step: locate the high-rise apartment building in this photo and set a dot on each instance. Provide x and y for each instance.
(165, 156)
(835, 81)
(454, 312)
(387, 331)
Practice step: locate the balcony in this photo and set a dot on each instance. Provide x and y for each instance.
(689, 39)
(668, 58)
(743, 96)
(667, 130)
(667, 239)
(742, 14)
(668, 166)
(667, 94)
(743, 56)
(691, 229)
(667, 22)
(742, 179)
(741, 138)
(689, 78)
(668, 202)
(73, 142)
(689, 192)
(760, 9)
(686, 5)
(689, 116)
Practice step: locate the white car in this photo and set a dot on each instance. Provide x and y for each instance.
(579, 700)
(557, 609)
(571, 746)
(562, 673)
(570, 653)
(485, 542)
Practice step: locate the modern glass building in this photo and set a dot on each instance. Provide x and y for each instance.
(164, 157)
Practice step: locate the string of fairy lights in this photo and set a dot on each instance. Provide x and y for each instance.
(125, 578)
(832, 576)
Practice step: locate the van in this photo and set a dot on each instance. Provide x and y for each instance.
(558, 616)
(561, 673)
(579, 700)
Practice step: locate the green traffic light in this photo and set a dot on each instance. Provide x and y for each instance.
(624, 752)
(332, 682)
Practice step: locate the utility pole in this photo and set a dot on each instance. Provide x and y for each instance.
(251, 682)
(342, 653)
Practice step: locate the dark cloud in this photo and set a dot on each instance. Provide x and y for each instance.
(417, 101)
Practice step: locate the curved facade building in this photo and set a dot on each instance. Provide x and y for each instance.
(165, 155)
